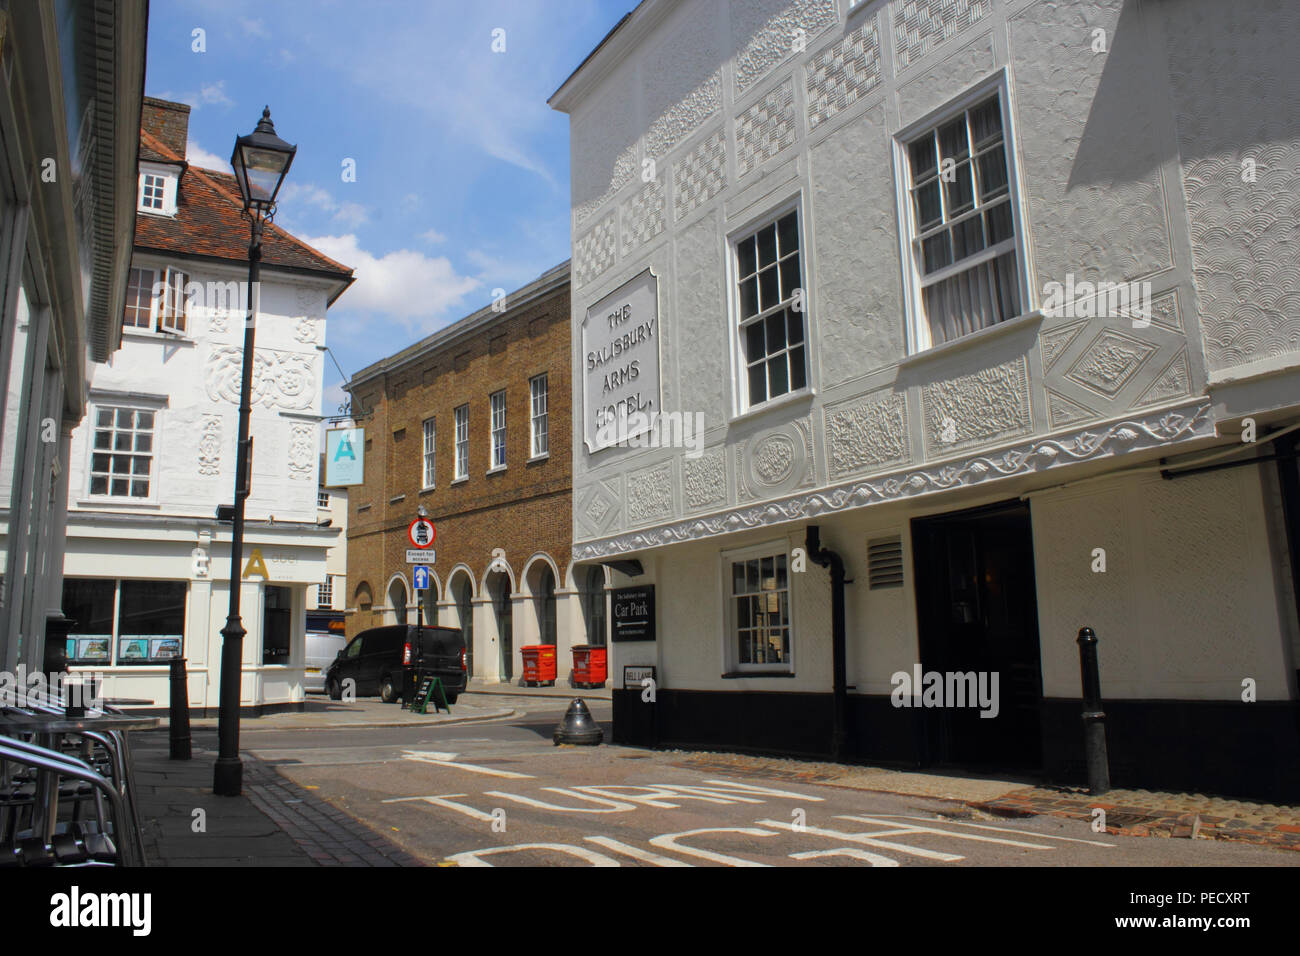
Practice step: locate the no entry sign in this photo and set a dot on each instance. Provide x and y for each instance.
(421, 532)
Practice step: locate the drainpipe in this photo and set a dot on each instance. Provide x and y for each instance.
(839, 680)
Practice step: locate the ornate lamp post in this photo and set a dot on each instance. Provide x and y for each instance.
(260, 160)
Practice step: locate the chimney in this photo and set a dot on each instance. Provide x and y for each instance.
(167, 121)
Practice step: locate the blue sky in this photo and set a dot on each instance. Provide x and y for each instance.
(462, 170)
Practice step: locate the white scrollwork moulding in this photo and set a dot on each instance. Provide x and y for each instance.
(1164, 427)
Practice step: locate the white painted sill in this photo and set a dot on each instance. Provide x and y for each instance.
(973, 339)
(806, 394)
(536, 458)
(459, 481)
(497, 470)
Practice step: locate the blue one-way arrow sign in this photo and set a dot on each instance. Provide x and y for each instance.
(421, 575)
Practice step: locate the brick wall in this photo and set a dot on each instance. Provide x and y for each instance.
(524, 509)
(169, 122)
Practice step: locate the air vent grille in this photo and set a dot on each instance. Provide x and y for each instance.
(885, 563)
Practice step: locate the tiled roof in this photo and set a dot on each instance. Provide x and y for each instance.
(209, 221)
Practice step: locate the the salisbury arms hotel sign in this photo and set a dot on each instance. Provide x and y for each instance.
(620, 363)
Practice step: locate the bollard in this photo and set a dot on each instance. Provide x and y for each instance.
(179, 718)
(1094, 718)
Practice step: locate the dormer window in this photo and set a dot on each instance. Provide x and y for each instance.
(157, 190)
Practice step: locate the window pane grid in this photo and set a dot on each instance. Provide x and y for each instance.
(498, 429)
(122, 460)
(429, 446)
(964, 240)
(540, 417)
(761, 610)
(462, 441)
(768, 275)
(151, 193)
(139, 299)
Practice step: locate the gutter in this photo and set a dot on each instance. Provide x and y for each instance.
(825, 557)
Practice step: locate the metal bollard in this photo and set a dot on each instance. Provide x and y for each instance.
(1094, 718)
(179, 718)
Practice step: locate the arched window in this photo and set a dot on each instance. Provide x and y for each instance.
(592, 591)
(464, 593)
(545, 598)
(397, 600)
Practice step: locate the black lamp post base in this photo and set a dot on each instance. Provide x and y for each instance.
(228, 777)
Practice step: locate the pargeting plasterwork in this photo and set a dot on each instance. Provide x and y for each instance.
(302, 447)
(210, 445)
(1109, 362)
(1128, 435)
(704, 480)
(280, 379)
(976, 409)
(867, 433)
(765, 32)
(650, 494)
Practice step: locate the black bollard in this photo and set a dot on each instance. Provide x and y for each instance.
(179, 719)
(577, 726)
(1094, 718)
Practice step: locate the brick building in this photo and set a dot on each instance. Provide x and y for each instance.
(473, 423)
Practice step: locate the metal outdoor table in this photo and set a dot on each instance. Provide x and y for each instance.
(49, 727)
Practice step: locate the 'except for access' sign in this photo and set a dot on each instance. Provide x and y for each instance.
(416, 556)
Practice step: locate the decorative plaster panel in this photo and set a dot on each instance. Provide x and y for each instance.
(776, 461)
(1131, 434)
(599, 506)
(867, 434)
(976, 409)
(306, 331)
(1055, 341)
(642, 215)
(704, 480)
(650, 494)
(594, 252)
(1062, 411)
(932, 89)
(1239, 145)
(210, 445)
(764, 33)
(681, 80)
(765, 128)
(280, 379)
(700, 175)
(921, 25)
(1174, 381)
(302, 452)
(843, 72)
(1109, 362)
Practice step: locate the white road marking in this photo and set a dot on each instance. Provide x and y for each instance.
(668, 841)
(448, 760)
(610, 806)
(876, 821)
(875, 859)
(443, 801)
(866, 840)
(984, 826)
(645, 856)
(471, 857)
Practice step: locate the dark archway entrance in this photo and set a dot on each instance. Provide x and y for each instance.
(498, 586)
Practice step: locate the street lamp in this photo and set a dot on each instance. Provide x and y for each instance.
(260, 160)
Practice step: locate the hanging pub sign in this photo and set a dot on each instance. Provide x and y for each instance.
(634, 614)
(344, 456)
(620, 364)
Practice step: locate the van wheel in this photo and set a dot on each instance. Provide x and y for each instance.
(387, 692)
(334, 690)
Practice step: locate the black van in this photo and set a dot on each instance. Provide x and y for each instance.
(382, 660)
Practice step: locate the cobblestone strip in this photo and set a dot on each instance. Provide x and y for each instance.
(329, 835)
(1134, 813)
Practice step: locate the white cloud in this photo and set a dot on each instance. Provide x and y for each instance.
(198, 156)
(507, 273)
(432, 236)
(207, 93)
(255, 28)
(350, 215)
(403, 284)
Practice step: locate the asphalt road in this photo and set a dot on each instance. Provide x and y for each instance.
(501, 794)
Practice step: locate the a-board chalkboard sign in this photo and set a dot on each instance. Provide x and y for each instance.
(429, 689)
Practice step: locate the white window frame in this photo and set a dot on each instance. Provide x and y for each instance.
(539, 405)
(460, 437)
(428, 460)
(730, 636)
(94, 408)
(322, 498)
(168, 301)
(325, 594)
(917, 323)
(156, 175)
(739, 366)
(497, 433)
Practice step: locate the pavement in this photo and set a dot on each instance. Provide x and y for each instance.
(561, 688)
(321, 712)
